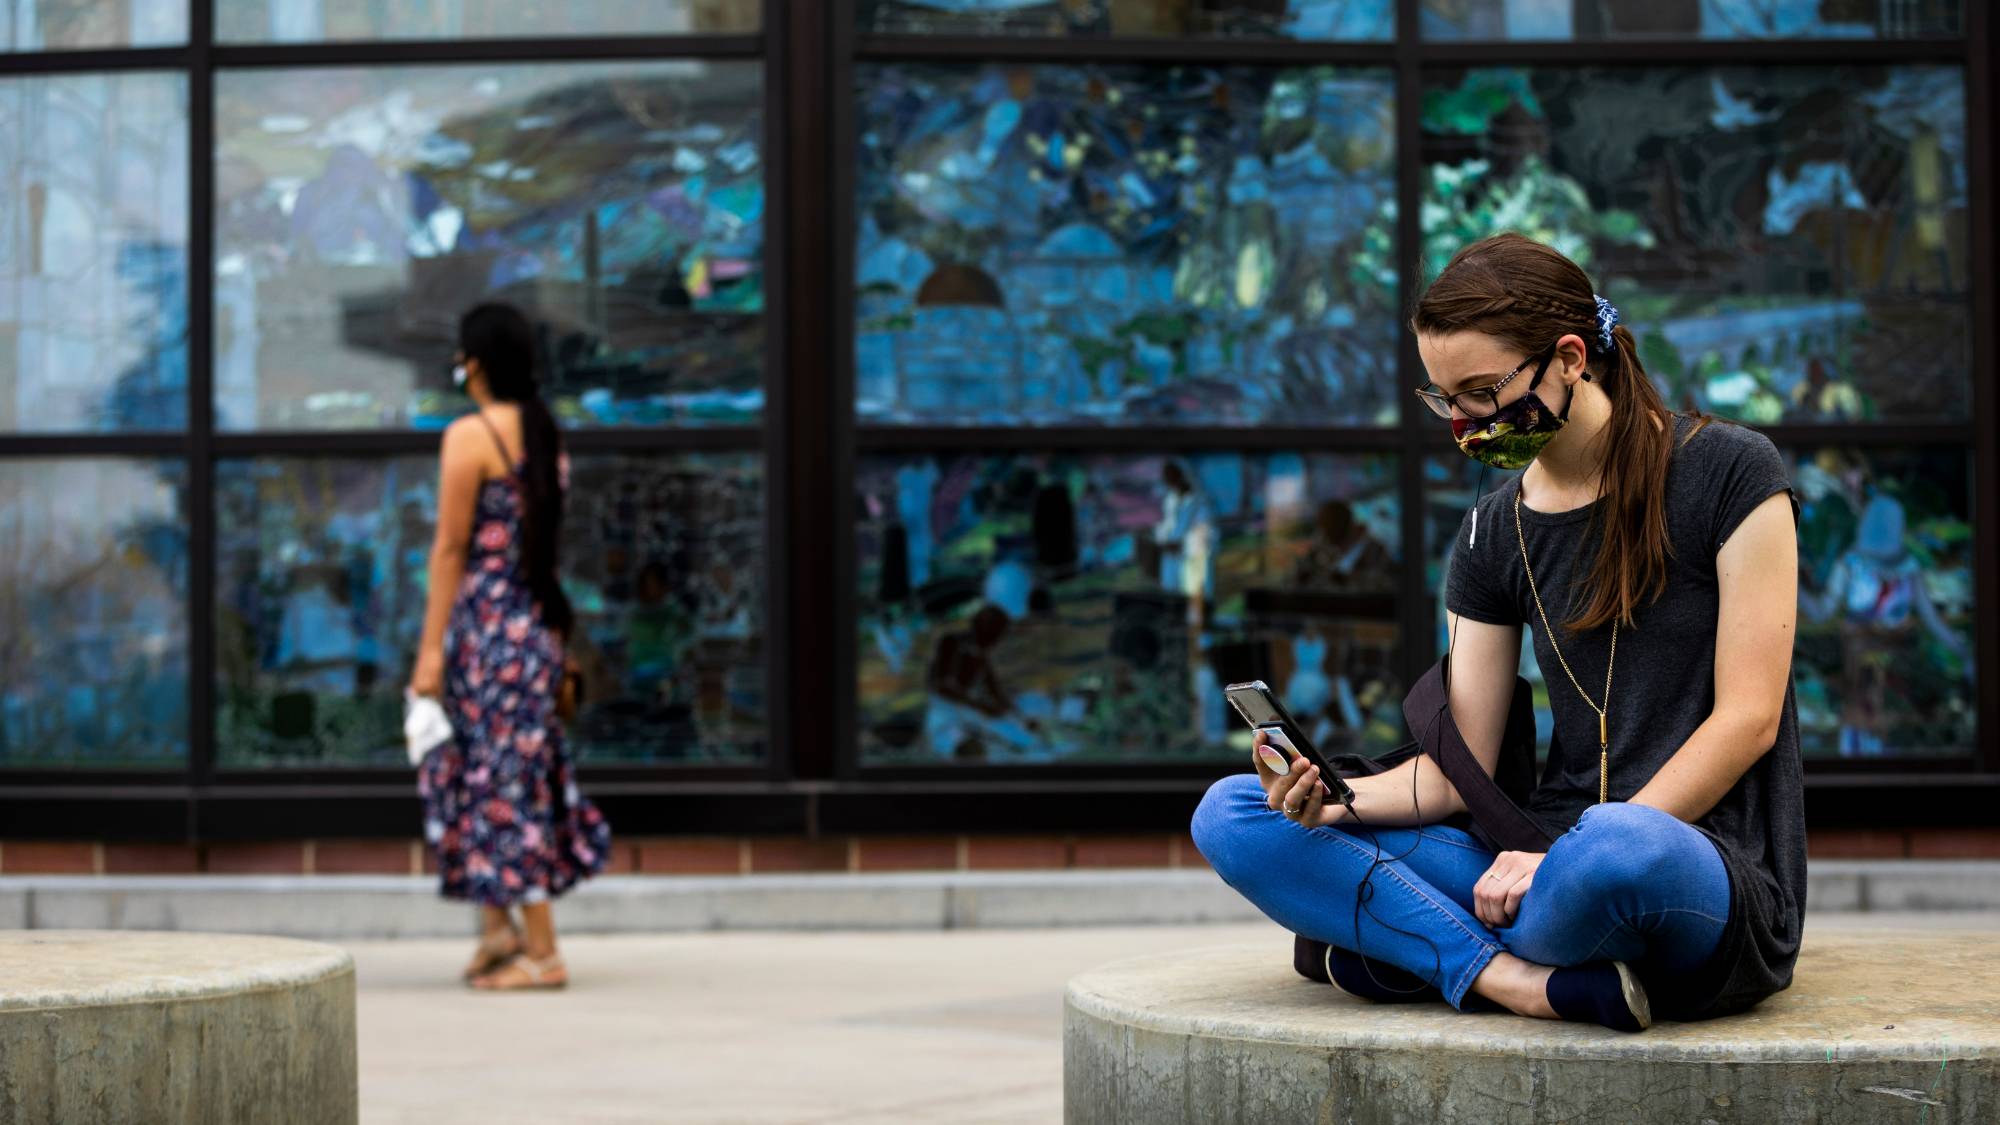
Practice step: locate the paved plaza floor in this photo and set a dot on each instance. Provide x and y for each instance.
(952, 1027)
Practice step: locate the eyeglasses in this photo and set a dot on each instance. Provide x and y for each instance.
(1482, 402)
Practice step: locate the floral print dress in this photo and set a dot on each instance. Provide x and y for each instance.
(501, 804)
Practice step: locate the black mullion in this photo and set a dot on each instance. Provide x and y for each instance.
(377, 443)
(202, 751)
(844, 143)
(1983, 56)
(1644, 52)
(1418, 430)
(973, 48)
(392, 52)
(1870, 435)
(95, 61)
(1128, 439)
(93, 445)
(780, 347)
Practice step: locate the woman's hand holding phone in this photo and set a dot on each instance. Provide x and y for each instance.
(1294, 787)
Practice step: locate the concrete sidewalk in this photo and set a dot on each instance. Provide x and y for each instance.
(362, 907)
(957, 1028)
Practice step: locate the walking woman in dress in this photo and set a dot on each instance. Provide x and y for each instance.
(500, 798)
(1654, 558)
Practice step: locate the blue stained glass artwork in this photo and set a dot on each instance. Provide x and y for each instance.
(1040, 607)
(1786, 243)
(93, 253)
(1204, 19)
(1883, 665)
(1884, 662)
(361, 211)
(1125, 246)
(1690, 19)
(311, 21)
(70, 25)
(93, 613)
(320, 598)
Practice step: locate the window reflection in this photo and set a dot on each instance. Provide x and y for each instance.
(93, 252)
(307, 21)
(1046, 607)
(1689, 19)
(361, 211)
(1884, 664)
(93, 613)
(1788, 243)
(1217, 19)
(65, 25)
(321, 593)
(1125, 246)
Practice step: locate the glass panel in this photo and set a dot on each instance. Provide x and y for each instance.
(68, 25)
(320, 603)
(1788, 243)
(93, 613)
(311, 21)
(1884, 661)
(1051, 607)
(93, 252)
(1126, 245)
(1691, 19)
(360, 211)
(1205, 19)
(665, 563)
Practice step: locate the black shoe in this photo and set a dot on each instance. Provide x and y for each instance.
(1358, 976)
(1602, 992)
(1367, 979)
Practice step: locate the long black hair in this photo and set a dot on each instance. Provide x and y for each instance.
(503, 342)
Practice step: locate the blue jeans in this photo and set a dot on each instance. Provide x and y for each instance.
(1628, 883)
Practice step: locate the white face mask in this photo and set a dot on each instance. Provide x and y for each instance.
(458, 376)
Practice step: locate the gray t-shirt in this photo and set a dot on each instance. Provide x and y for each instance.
(1662, 689)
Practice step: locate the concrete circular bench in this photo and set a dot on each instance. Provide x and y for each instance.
(1878, 1028)
(206, 1029)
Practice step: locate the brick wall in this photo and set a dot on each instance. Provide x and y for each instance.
(677, 855)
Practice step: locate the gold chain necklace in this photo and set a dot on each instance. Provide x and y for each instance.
(1604, 712)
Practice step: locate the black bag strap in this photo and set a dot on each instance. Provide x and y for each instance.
(1427, 709)
(499, 442)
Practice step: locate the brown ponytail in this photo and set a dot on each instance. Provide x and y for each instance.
(1517, 290)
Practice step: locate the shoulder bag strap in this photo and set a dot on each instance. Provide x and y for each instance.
(1427, 711)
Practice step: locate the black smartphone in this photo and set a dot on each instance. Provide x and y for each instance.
(1261, 709)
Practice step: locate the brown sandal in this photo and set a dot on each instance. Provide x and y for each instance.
(545, 974)
(495, 949)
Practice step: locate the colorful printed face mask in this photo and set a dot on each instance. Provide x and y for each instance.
(1515, 434)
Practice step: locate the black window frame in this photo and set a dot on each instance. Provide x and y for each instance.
(812, 779)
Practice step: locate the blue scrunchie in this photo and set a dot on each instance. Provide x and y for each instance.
(1607, 319)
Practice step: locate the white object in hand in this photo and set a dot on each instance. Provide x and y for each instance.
(425, 727)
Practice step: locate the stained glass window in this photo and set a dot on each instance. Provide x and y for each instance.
(308, 21)
(322, 566)
(1788, 243)
(93, 252)
(1207, 19)
(1051, 607)
(360, 211)
(1884, 663)
(68, 25)
(93, 613)
(1125, 246)
(1691, 19)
